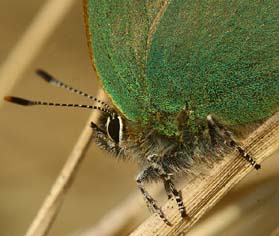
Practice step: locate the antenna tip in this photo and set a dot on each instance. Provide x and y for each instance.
(44, 75)
(8, 98)
(17, 100)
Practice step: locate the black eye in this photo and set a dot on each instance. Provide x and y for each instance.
(114, 128)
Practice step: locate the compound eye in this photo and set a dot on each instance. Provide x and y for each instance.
(114, 128)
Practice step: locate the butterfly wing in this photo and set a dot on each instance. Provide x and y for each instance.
(220, 57)
(217, 57)
(117, 37)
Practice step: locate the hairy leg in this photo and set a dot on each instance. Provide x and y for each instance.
(150, 201)
(221, 131)
(157, 169)
(168, 184)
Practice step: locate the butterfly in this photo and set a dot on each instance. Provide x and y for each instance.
(187, 81)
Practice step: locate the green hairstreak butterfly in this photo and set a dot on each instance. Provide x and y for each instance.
(187, 81)
(184, 77)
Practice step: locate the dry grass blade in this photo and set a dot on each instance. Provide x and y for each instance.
(255, 206)
(54, 200)
(202, 194)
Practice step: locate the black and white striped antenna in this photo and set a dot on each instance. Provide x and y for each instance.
(50, 79)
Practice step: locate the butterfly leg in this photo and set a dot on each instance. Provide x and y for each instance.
(168, 184)
(150, 201)
(214, 127)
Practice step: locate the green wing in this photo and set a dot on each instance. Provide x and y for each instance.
(117, 34)
(217, 57)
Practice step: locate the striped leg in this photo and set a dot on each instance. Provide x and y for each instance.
(229, 141)
(151, 203)
(169, 185)
(246, 155)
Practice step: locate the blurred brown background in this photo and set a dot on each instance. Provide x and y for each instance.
(35, 142)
